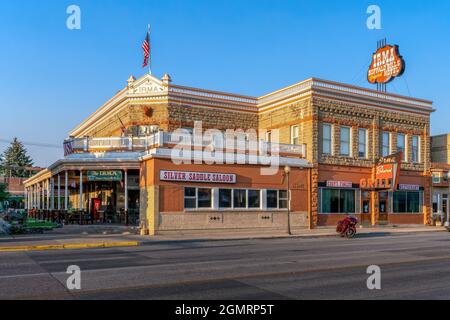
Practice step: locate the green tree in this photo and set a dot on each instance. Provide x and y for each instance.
(14, 160)
(3, 193)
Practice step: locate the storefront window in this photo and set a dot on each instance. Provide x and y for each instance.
(272, 196)
(338, 201)
(239, 198)
(345, 141)
(224, 198)
(204, 198)
(326, 139)
(283, 199)
(190, 198)
(254, 197)
(406, 202)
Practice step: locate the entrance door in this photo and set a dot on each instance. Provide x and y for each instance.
(444, 210)
(383, 208)
(366, 211)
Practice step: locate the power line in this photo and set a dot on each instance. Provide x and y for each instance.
(34, 144)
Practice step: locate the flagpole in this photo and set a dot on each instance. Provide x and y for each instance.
(150, 51)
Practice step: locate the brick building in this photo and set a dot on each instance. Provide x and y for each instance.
(440, 169)
(327, 135)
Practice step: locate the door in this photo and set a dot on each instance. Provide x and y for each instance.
(383, 205)
(366, 212)
(444, 210)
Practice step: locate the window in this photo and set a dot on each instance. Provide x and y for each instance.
(401, 145)
(239, 198)
(190, 198)
(272, 196)
(345, 141)
(338, 201)
(224, 198)
(415, 149)
(385, 144)
(406, 202)
(283, 199)
(269, 136)
(277, 199)
(294, 135)
(326, 139)
(195, 198)
(204, 198)
(254, 199)
(362, 143)
(436, 177)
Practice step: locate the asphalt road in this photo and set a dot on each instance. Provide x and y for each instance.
(413, 266)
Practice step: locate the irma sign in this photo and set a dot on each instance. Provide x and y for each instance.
(387, 172)
(386, 64)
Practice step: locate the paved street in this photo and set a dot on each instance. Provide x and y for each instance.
(414, 266)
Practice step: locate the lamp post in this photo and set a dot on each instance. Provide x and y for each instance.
(287, 171)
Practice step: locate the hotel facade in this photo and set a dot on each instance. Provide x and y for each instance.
(323, 137)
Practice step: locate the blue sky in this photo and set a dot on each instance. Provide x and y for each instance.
(52, 78)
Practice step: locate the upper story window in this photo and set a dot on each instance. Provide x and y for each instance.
(295, 134)
(326, 138)
(385, 144)
(415, 149)
(345, 141)
(401, 145)
(362, 143)
(269, 136)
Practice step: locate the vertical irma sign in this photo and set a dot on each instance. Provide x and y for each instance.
(387, 172)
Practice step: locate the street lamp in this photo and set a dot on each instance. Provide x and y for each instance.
(287, 171)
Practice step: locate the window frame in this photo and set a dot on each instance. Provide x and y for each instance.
(349, 154)
(405, 142)
(295, 128)
(366, 145)
(326, 139)
(389, 144)
(321, 189)
(415, 149)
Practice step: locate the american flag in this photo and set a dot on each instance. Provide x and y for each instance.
(68, 147)
(146, 48)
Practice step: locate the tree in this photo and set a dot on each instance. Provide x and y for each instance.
(3, 193)
(14, 160)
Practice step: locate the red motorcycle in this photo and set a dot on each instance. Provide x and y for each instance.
(347, 227)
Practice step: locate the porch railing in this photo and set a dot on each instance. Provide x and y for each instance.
(169, 139)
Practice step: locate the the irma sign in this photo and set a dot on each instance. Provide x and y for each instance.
(387, 63)
(105, 175)
(207, 177)
(387, 172)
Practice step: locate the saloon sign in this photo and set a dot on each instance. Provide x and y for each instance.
(386, 174)
(205, 177)
(386, 64)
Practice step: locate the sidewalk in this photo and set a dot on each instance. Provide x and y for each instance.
(83, 237)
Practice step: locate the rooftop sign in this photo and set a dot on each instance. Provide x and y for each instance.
(387, 63)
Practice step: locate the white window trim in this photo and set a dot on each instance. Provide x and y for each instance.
(331, 138)
(350, 142)
(405, 153)
(366, 151)
(389, 142)
(419, 160)
(292, 133)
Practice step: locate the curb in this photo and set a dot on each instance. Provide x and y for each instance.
(71, 246)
